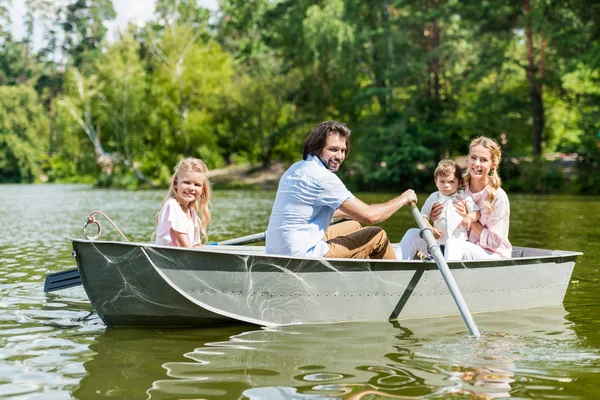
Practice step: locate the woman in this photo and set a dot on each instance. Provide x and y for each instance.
(488, 237)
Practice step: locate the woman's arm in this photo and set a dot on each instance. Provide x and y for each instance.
(495, 231)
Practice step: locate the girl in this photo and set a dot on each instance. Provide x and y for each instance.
(184, 214)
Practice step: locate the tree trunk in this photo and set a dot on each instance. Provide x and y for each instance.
(390, 54)
(432, 40)
(535, 87)
(379, 53)
(52, 117)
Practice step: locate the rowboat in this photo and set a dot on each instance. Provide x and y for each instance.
(142, 284)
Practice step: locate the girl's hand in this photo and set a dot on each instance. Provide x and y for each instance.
(436, 233)
(461, 208)
(436, 211)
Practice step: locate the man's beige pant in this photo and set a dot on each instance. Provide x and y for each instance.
(349, 240)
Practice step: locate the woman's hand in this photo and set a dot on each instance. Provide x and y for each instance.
(466, 222)
(461, 208)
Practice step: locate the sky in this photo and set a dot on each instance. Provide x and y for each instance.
(136, 11)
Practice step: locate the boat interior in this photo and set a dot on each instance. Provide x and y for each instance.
(518, 252)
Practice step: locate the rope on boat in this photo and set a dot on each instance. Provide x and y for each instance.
(92, 220)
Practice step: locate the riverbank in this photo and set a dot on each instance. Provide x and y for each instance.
(248, 177)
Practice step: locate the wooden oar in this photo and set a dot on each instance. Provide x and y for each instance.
(436, 253)
(70, 277)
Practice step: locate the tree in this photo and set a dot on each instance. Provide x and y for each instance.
(10, 51)
(84, 30)
(170, 13)
(188, 75)
(123, 104)
(260, 117)
(4, 21)
(22, 134)
(80, 105)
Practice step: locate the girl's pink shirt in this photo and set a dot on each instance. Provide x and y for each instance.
(171, 216)
(494, 236)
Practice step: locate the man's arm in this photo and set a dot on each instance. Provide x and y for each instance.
(340, 214)
(373, 214)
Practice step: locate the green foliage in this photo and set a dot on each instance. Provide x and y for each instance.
(123, 100)
(23, 139)
(535, 176)
(61, 169)
(171, 13)
(415, 81)
(84, 30)
(189, 78)
(392, 156)
(11, 61)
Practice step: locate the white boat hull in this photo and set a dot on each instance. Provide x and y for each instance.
(142, 284)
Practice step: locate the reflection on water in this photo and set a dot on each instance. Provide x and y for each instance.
(405, 359)
(54, 346)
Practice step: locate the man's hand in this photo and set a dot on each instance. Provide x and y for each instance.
(409, 196)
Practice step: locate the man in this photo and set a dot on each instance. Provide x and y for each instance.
(310, 194)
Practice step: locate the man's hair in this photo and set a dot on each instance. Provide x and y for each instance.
(448, 168)
(314, 143)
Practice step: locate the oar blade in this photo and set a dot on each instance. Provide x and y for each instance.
(62, 280)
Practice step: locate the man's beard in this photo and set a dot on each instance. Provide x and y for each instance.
(328, 164)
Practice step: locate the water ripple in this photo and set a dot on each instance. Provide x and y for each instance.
(53, 345)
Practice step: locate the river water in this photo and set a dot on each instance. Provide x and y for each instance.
(53, 345)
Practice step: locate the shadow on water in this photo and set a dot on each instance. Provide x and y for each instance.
(431, 358)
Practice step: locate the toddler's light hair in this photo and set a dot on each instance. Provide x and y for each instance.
(449, 168)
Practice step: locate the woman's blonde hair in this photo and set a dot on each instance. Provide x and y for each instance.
(200, 206)
(495, 181)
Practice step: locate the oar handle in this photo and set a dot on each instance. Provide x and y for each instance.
(260, 237)
(257, 237)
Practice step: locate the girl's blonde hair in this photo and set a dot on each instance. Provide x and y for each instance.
(495, 181)
(200, 206)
